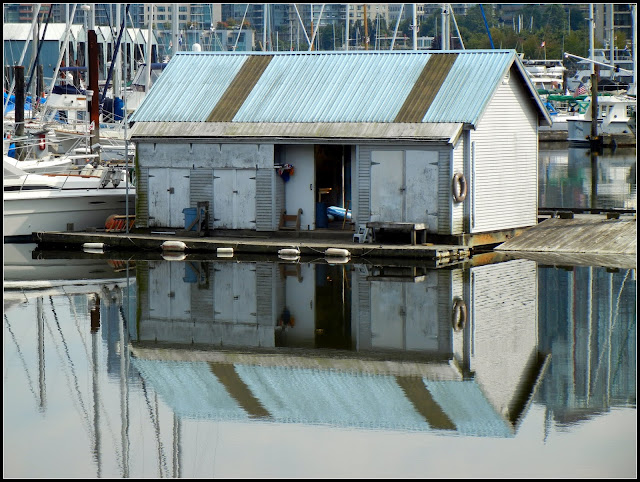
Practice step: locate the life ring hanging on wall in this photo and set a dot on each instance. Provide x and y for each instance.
(459, 187)
(459, 314)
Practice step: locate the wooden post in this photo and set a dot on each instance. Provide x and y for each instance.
(594, 178)
(40, 82)
(94, 102)
(595, 139)
(19, 76)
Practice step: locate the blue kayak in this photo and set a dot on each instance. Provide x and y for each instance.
(338, 212)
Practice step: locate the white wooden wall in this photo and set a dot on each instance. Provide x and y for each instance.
(504, 177)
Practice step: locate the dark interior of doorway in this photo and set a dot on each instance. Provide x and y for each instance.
(333, 183)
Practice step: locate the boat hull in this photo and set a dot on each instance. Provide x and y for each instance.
(62, 210)
(579, 130)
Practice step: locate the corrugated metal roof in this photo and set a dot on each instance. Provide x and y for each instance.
(189, 88)
(329, 87)
(240, 88)
(467, 89)
(21, 31)
(426, 88)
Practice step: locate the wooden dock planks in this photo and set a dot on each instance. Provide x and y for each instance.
(583, 234)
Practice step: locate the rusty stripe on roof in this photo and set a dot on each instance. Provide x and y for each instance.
(426, 87)
(239, 89)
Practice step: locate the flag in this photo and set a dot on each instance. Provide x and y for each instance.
(543, 44)
(581, 90)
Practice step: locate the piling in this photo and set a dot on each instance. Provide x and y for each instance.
(595, 140)
(94, 102)
(19, 75)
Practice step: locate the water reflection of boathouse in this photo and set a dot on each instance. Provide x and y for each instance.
(381, 351)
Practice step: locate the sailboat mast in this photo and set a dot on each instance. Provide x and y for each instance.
(174, 28)
(264, 28)
(149, 33)
(366, 30)
(346, 28)
(612, 47)
(395, 30)
(415, 27)
(117, 72)
(591, 37)
(632, 89)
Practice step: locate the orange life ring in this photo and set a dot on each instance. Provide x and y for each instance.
(459, 314)
(459, 187)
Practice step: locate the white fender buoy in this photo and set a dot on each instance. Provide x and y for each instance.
(289, 252)
(93, 245)
(175, 256)
(342, 253)
(224, 252)
(173, 246)
(337, 259)
(93, 250)
(287, 257)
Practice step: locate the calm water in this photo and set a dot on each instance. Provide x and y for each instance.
(214, 367)
(573, 178)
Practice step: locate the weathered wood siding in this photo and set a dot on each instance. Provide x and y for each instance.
(445, 211)
(504, 161)
(248, 168)
(362, 197)
(202, 190)
(265, 209)
(142, 198)
(403, 184)
(457, 209)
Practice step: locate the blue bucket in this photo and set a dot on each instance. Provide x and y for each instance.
(190, 215)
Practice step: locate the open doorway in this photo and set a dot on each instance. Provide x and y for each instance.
(333, 186)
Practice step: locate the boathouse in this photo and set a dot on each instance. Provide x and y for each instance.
(17, 34)
(445, 140)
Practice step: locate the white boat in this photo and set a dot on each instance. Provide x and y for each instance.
(63, 201)
(615, 117)
(622, 60)
(546, 74)
(67, 118)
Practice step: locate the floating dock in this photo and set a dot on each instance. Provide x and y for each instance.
(337, 246)
(585, 238)
(579, 235)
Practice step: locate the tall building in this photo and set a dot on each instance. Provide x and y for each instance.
(620, 19)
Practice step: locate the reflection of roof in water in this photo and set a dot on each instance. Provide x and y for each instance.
(327, 395)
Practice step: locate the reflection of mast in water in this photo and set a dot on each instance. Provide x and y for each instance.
(95, 325)
(594, 178)
(124, 393)
(21, 356)
(176, 447)
(596, 372)
(41, 384)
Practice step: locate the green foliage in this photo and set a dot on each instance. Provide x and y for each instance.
(562, 28)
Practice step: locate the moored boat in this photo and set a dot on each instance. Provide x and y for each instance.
(63, 201)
